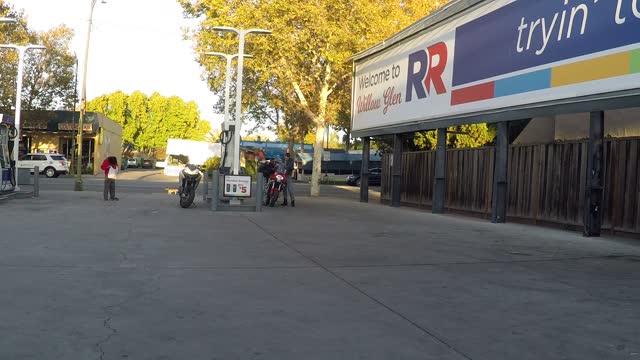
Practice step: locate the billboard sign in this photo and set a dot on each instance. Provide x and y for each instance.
(503, 54)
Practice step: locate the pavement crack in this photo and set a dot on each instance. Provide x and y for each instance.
(110, 312)
(397, 313)
(107, 325)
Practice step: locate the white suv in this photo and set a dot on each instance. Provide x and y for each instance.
(52, 165)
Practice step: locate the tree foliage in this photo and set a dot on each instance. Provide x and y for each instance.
(147, 122)
(463, 136)
(305, 60)
(49, 75)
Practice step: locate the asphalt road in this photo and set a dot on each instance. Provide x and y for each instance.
(332, 278)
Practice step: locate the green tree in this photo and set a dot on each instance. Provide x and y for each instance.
(49, 75)
(307, 55)
(49, 79)
(148, 122)
(464, 136)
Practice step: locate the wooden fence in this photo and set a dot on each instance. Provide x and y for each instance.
(546, 182)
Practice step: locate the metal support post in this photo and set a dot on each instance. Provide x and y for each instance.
(500, 177)
(36, 181)
(595, 176)
(205, 186)
(364, 170)
(259, 191)
(440, 176)
(215, 191)
(396, 170)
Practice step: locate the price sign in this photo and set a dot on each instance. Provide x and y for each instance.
(237, 186)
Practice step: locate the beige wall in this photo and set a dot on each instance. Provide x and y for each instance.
(108, 141)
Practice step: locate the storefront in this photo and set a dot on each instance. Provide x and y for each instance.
(55, 132)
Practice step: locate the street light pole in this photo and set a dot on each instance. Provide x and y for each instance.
(22, 49)
(74, 136)
(83, 102)
(238, 119)
(227, 84)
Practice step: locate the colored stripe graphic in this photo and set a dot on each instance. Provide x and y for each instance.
(579, 72)
(473, 93)
(635, 61)
(537, 80)
(589, 70)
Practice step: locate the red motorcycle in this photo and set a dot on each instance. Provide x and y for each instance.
(277, 184)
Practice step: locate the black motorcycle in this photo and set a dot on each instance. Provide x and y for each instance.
(189, 180)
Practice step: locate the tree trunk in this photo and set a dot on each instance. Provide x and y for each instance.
(290, 141)
(347, 140)
(318, 149)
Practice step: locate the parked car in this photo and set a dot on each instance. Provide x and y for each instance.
(375, 177)
(160, 164)
(51, 165)
(147, 164)
(132, 163)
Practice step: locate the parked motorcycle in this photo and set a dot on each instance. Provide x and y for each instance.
(277, 184)
(189, 180)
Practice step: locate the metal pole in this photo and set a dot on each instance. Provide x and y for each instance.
(396, 170)
(595, 176)
(215, 192)
(83, 106)
(227, 94)
(364, 170)
(440, 177)
(238, 119)
(36, 181)
(16, 142)
(205, 185)
(499, 203)
(74, 134)
(259, 191)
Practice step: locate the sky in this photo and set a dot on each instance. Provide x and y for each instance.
(135, 45)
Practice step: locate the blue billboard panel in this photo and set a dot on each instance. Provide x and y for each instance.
(526, 34)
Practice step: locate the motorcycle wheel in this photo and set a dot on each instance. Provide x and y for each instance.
(186, 199)
(274, 198)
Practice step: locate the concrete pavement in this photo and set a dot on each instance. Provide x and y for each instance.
(330, 279)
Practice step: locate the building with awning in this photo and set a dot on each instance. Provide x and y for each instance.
(55, 132)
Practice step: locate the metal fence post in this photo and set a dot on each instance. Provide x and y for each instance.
(36, 182)
(594, 187)
(215, 192)
(205, 188)
(259, 191)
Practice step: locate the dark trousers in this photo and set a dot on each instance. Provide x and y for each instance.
(109, 188)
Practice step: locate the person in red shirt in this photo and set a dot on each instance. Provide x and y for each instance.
(110, 168)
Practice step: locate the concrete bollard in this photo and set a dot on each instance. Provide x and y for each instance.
(259, 191)
(205, 186)
(215, 192)
(36, 182)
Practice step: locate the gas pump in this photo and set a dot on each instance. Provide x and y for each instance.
(7, 167)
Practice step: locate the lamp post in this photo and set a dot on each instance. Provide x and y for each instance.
(227, 83)
(238, 121)
(22, 49)
(83, 102)
(74, 137)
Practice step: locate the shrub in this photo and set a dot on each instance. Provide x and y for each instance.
(212, 163)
